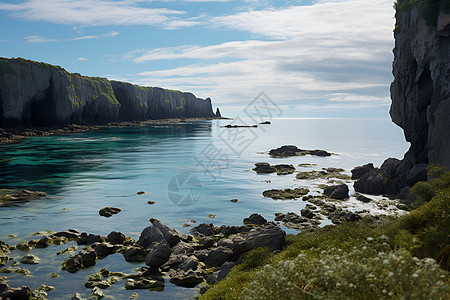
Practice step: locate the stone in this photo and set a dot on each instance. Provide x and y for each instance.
(187, 279)
(19, 293)
(255, 219)
(97, 293)
(134, 254)
(234, 200)
(70, 234)
(363, 198)
(142, 283)
(109, 211)
(291, 150)
(290, 217)
(307, 213)
(339, 192)
(158, 233)
(77, 296)
(205, 242)
(30, 259)
(116, 238)
(104, 249)
(182, 248)
(340, 216)
(285, 194)
(218, 114)
(158, 256)
(140, 193)
(203, 229)
(268, 235)
(229, 230)
(83, 259)
(44, 242)
(88, 239)
(360, 171)
(264, 167)
(217, 256)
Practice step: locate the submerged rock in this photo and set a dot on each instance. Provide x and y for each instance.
(109, 211)
(291, 150)
(83, 259)
(286, 193)
(281, 169)
(22, 196)
(19, 293)
(30, 259)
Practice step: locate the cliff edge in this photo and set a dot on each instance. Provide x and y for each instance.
(34, 94)
(420, 96)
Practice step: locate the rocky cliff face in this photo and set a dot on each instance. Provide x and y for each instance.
(421, 89)
(420, 96)
(35, 94)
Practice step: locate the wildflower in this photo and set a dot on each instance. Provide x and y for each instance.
(390, 274)
(429, 261)
(369, 239)
(364, 247)
(415, 275)
(391, 294)
(350, 285)
(384, 291)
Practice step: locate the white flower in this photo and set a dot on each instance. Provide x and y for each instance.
(415, 275)
(384, 291)
(369, 239)
(391, 294)
(390, 274)
(350, 285)
(383, 237)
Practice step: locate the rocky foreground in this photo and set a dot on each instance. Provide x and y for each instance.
(208, 254)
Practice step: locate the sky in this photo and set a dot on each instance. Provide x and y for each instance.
(313, 58)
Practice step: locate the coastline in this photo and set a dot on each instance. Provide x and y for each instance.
(17, 135)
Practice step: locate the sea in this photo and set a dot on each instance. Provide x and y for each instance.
(189, 169)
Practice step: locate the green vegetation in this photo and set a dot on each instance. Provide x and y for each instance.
(5, 67)
(403, 258)
(102, 88)
(428, 10)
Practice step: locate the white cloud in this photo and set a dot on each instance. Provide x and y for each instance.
(82, 58)
(86, 37)
(111, 34)
(334, 52)
(89, 12)
(35, 39)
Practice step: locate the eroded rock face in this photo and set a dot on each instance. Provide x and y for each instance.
(34, 94)
(420, 91)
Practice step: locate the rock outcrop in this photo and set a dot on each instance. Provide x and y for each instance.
(420, 96)
(420, 91)
(34, 94)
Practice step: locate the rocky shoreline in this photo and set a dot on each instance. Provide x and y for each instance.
(16, 135)
(206, 254)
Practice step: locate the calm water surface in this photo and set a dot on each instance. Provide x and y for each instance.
(87, 171)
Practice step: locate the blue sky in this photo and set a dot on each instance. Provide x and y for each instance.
(326, 58)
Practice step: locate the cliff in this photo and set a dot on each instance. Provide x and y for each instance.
(420, 96)
(34, 94)
(421, 89)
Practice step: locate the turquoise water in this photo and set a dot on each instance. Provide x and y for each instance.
(87, 171)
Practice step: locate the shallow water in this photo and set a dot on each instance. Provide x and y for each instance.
(87, 171)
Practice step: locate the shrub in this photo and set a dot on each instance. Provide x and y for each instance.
(362, 273)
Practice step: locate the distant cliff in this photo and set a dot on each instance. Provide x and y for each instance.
(420, 96)
(34, 94)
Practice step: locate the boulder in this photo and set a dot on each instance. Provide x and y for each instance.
(83, 259)
(158, 256)
(30, 259)
(109, 211)
(134, 254)
(158, 233)
(268, 235)
(217, 256)
(255, 219)
(142, 283)
(19, 293)
(71, 234)
(203, 229)
(360, 171)
(307, 213)
(339, 192)
(188, 279)
(104, 249)
(264, 167)
(116, 238)
(285, 194)
(340, 216)
(87, 239)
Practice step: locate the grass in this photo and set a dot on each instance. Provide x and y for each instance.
(403, 258)
(428, 10)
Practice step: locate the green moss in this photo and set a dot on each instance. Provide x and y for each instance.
(428, 10)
